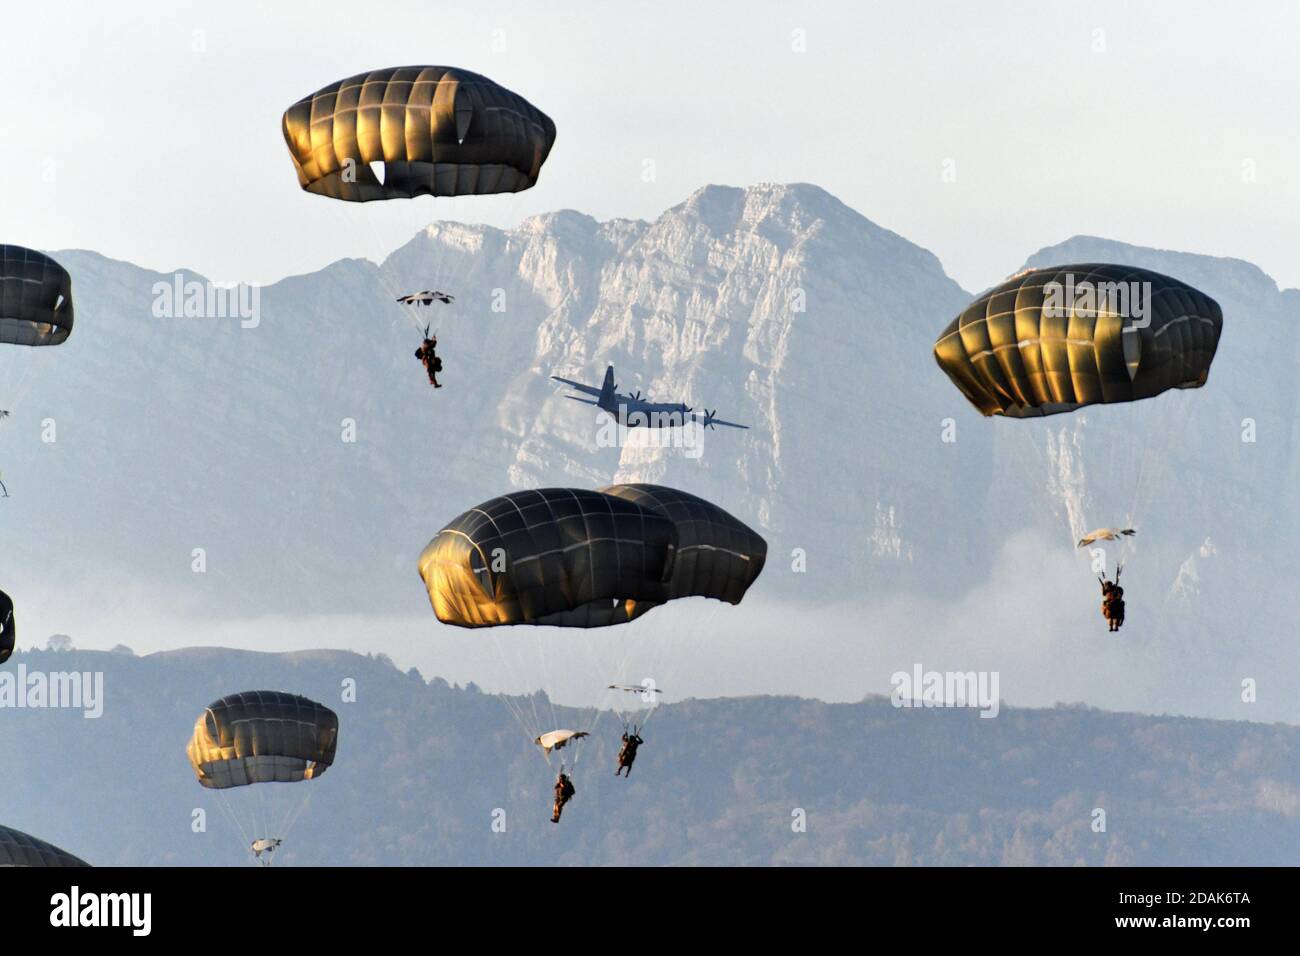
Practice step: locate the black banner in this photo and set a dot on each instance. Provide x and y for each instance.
(911, 906)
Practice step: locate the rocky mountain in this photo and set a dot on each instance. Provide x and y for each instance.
(297, 462)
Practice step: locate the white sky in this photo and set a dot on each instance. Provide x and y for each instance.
(119, 136)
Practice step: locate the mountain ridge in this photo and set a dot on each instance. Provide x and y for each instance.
(423, 770)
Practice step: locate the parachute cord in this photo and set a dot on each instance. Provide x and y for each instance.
(529, 727)
(251, 814)
(531, 691)
(1174, 435)
(543, 665)
(532, 729)
(229, 813)
(295, 813)
(1051, 471)
(630, 644)
(649, 714)
(594, 670)
(413, 218)
(260, 816)
(373, 251)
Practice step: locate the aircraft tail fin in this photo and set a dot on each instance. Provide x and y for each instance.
(607, 389)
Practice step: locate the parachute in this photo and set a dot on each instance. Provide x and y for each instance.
(8, 629)
(35, 298)
(569, 557)
(635, 704)
(262, 736)
(36, 310)
(1105, 534)
(427, 297)
(1056, 339)
(410, 131)
(264, 845)
(19, 849)
(558, 739)
(436, 130)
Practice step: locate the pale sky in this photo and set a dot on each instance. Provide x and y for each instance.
(151, 131)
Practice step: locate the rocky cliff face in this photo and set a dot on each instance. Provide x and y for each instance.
(781, 307)
(310, 461)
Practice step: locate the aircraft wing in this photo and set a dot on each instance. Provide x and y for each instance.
(719, 421)
(585, 401)
(586, 389)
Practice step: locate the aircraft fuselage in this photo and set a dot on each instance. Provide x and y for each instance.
(634, 414)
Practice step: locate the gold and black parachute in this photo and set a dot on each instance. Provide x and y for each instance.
(437, 130)
(570, 557)
(35, 298)
(19, 849)
(560, 556)
(1052, 340)
(8, 629)
(262, 736)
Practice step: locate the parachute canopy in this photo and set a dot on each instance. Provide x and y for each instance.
(1053, 340)
(262, 736)
(19, 849)
(35, 298)
(557, 739)
(437, 130)
(264, 845)
(8, 629)
(1105, 534)
(427, 297)
(575, 558)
